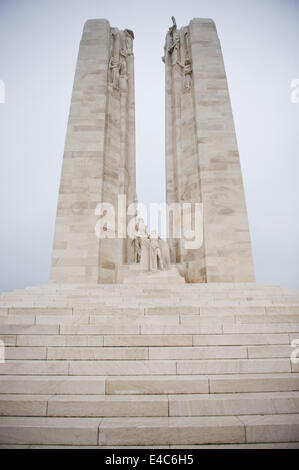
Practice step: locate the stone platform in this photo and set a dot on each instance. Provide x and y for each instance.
(149, 364)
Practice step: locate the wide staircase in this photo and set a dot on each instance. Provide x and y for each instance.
(151, 363)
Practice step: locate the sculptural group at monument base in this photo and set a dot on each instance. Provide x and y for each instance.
(150, 251)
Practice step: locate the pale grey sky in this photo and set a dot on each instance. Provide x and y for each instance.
(39, 42)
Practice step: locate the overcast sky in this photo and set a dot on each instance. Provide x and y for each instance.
(39, 42)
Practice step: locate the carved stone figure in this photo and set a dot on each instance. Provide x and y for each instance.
(177, 51)
(156, 261)
(172, 44)
(123, 63)
(136, 242)
(114, 64)
(141, 228)
(164, 248)
(129, 37)
(121, 48)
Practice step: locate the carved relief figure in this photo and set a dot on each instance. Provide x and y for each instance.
(187, 82)
(121, 48)
(187, 74)
(114, 64)
(177, 47)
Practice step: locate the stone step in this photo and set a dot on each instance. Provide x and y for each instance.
(128, 385)
(111, 367)
(146, 367)
(149, 405)
(127, 352)
(210, 289)
(165, 352)
(148, 340)
(272, 445)
(196, 340)
(205, 327)
(238, 324)
(121, 431)
(126, 301)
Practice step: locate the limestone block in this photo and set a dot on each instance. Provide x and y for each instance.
(148, 340)
(269, 351)
(187, 329)
(233, 404)
(240, 339)
(271, 428)
(101, 405)
(103, 329)
(28, 329)
(96, 353)
(233, 366)
(262, 328)
(254, 383)
(52, 385)
(23, 353)
(23, 405)
(122, 367)
(11, 340)
(40, 311)
(82, 431)
(34, 368)
(156, 385)
(197, 352)
(151, 431)
(178, 310)
(42, 340)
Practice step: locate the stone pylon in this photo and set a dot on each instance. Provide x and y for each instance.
(99, 158)
(202, 160)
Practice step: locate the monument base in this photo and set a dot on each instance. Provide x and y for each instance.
(149, 364)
